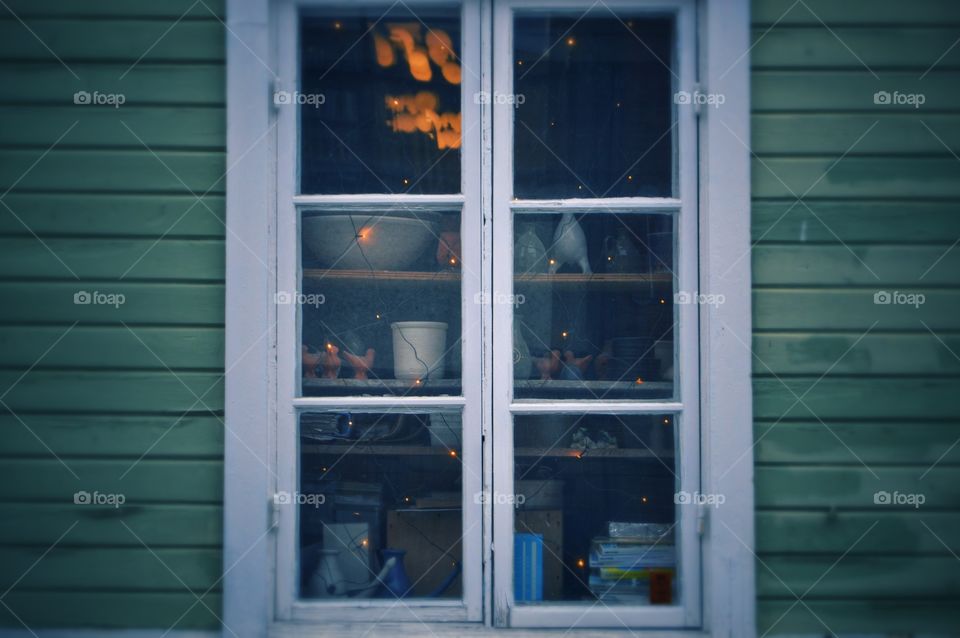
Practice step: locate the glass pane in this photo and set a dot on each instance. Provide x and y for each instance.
(379, 101)
(594, 515)
(593, 306)
(380, 302)
(380, 505)
(596, 114)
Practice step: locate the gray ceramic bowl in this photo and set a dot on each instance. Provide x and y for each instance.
(363, 241)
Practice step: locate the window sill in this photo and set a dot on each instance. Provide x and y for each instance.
(443, 630)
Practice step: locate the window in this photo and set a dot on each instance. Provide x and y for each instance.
(488, 397)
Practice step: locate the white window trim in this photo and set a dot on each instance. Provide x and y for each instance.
(729, 594)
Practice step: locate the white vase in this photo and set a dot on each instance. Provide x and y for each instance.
(569, 245)
(419, 349)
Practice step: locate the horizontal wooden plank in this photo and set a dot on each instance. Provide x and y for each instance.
(855, 487)
(115, 170)
(854, 176)
(877, 48)
(853, 12)
(93, 347)
(99, 568)
(140, 482)
(894, 616)
(114, 40)
(783, 309)
(146, 84)
(855, 398)
(786, 532)
(797, 91)
(69, 214)
(157, 525)
(168, 259)
(142, 303)
(862, 265)
(904, 577)
(158, 127)
(117, 8)
(71, 436)
(115, 609)
(852, 221)
(886, 354)
(837, 133)
(110, 392)
(796, 442)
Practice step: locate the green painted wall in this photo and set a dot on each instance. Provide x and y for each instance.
(89, 208)
(98, 199)
(885, 410)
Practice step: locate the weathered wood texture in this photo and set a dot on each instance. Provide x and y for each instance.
(853, 399)
(111, 399)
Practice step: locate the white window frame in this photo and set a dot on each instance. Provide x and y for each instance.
(252, 341)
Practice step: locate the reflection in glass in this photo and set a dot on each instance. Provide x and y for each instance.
(389, 117)
(595, 514)
(380, 505)
(593, 316)
(380, 302)
(595, 119)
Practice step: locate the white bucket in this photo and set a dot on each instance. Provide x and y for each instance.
(419, 349)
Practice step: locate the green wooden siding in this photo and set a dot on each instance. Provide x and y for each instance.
(878, 383)
(105, 199)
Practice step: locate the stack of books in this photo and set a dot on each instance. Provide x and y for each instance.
(634, 570)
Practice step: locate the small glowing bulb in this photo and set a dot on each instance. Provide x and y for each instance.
(453, 261)
(329, 346)
(609, 258)
(364, 542)
(579, 455)
(337, 25)
(453, 453)
(356, 513)
(564, 334)
(406, 182)
(323, 469)
(618, 104)
(629, 178)
(639, 381)
(666, 421)
(579, 187)
(571, 41)
(581, 563)
(520, 62)
(553, 262)
(378, 315)
(643, 499)
(417, 382)
(663, 301)
(406, 499)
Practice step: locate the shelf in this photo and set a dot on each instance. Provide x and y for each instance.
(381, 386)
(341, 449)
(448, 276)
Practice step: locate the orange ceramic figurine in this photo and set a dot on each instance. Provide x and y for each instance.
(330, 363)
(361, 365)
(548, 365)
(310, 357)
